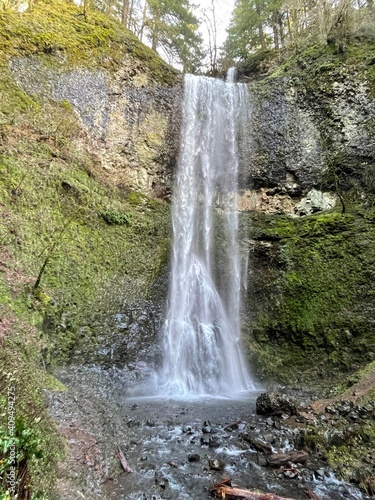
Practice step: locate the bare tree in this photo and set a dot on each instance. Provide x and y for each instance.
(209, 20)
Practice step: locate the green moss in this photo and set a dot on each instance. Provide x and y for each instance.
(13, 99)
(58, 217)
(61, 28)
(359, 379)
(318, 304)
(113, 216)
(353, 460)
(39, 446)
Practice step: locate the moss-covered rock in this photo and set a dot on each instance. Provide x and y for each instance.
(311, 123)
(59, 30)
(310, 293)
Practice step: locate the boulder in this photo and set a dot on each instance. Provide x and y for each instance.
(275, 404)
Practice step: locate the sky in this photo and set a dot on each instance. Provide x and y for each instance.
(223, 10)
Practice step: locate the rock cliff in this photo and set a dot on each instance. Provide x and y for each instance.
(307, 200)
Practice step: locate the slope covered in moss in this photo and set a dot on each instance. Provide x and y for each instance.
(60, 28)
(72, 247)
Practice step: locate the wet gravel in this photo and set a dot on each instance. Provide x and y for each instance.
(177, 449)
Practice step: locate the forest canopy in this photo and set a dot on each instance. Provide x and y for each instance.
(260, 25)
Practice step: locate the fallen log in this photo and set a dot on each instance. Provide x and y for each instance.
(310, 494)
(123, 461)
(294, 457)
(257, 444)
(225, 490)
(232, 426)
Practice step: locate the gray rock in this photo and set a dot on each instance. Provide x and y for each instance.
(275, 404)
(216, 464)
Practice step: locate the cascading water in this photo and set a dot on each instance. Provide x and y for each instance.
(201, 335)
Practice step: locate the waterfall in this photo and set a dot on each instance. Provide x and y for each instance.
(201, 334)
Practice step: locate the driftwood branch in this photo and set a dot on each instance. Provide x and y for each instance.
(257, 444)
(310, 494)
(282, 459)
(225, 490)
(123, 460)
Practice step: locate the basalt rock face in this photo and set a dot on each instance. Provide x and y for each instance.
(285, 150)
(307, 133)
(131, 124)
(307, 210)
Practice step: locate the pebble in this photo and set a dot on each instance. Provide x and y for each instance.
(216, 464)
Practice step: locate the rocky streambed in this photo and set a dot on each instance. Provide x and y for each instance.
(179, 449)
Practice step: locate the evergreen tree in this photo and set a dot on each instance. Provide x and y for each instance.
(171, 26)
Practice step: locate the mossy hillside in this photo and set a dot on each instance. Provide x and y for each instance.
(346, 439)
(92, 245)
(38, 444)
(89, 234)
(60, 31)
(317, 65)
(350, 453)
(312, 314)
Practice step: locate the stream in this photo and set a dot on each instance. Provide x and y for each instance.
(177, 449)
(180, 447)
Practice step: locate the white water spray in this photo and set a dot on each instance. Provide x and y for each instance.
(201, 335)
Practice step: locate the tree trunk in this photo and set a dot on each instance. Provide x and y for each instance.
(281, 30)
(260, 27)
(289, 27)
(144, 19)
(225, 490)
(154, 40)
(125, 12)
(275, 36)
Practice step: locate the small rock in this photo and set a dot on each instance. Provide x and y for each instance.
(320, 474)
(336, 438)
(291, 473)
(207, 429)
(354, 416)
(161, 480)
(256, 443)
(194, 457)
(133, 423)
(261, 460)
(214, 442)
(331, 409)
(205, 441)
(216, 464)
(187, 429)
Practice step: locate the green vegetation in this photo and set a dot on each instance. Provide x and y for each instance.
(64, 233)
(317, 58)
(59, 28)
(171, 25)
(316, 304)
(258, 26)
